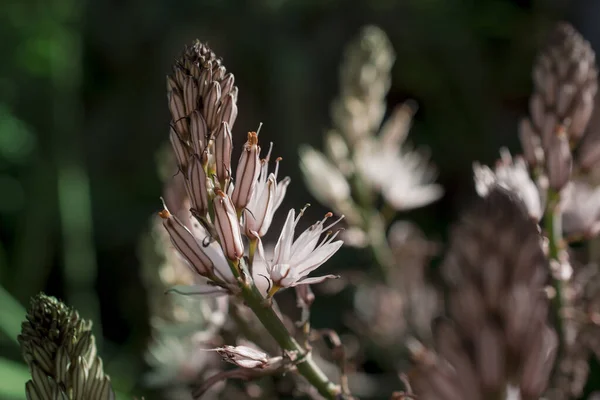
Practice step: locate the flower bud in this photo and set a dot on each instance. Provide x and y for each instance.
(228, 226)
(210, 106)
(197, 186)
(247, 172)
(228, 110)
(198, 131)
(190, 95)
(223, 146)
(558, 160)
(186, 244)
(180, 149)
(247, 357)
(177, 108)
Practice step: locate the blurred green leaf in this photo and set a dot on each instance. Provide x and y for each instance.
(14, 376)
(13, 314)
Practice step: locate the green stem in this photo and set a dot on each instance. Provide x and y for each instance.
(306, 366)
(553, 228)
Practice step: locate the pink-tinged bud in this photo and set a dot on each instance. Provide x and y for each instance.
(186, 244)
(198, 131)
(227, 84)
(228, 226)
(558, 160)
(190, 95)
(211, 104)
(171, 84)
(197, 186)
(228, 110)
(205, 79)
(223, 146)
(530, 143)
(247, 172)
(180, 149)
(177, 108)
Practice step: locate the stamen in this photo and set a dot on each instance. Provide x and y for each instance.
(334, 222)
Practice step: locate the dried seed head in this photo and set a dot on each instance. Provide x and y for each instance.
(60, 350)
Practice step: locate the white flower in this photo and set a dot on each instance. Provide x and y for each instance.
(581, 209)
(404, 177)
(267, 197)
(324, 180)
(293, 259)
(512, 175)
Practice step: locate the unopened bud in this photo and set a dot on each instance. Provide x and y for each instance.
(198, 131)
(247, 172)
(228, 226)
(197, 186)
(180, 149)
(247, 357)
(223, 146)
(186, 244)
(558, 160)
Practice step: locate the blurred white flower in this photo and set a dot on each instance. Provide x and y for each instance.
(581, 210)
(324, 180)
(513, 175)
(293, 259)
(404, 177)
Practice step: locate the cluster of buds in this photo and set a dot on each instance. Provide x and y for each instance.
(496, 335)
(227, 208)
(365, 156)
(60, 350)
(565, 83)
(551, 180)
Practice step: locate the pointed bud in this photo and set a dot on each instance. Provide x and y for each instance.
(558, 160)
(223, 146)
(530, 143)
(186, 244)
(177, 108)
(198, 131)
(197, 186)
(227, 84)
(211, 105)
(247, 357)
(228, 226)
(247, 172)
(228, 110)
(180, 149)
(190, 94)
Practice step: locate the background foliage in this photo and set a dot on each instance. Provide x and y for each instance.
(83, 115)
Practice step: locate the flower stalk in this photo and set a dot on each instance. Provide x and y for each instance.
(552, 226)
(304, 362)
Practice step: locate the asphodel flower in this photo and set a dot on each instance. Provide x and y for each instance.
(293, 259)
(268, 195)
